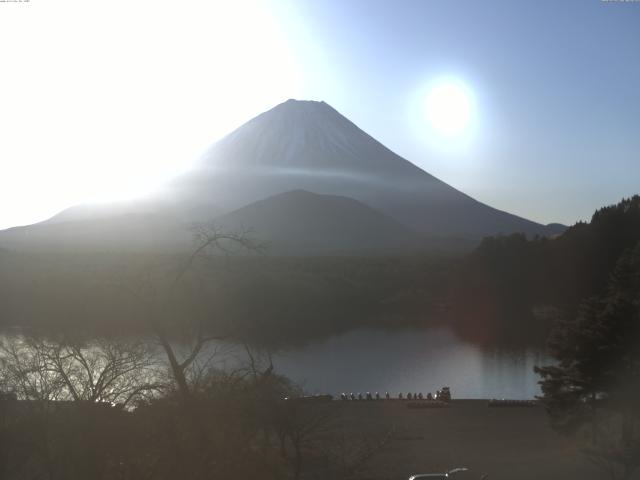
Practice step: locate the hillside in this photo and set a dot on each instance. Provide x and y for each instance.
(300, 222)
(512, 288)
(126, 232)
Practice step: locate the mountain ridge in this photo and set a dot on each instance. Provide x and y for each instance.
(310, 145)
(295, 146)
(300, 222)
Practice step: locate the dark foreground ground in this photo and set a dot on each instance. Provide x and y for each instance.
(505, 443)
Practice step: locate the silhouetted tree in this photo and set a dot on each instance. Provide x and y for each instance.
(594, 389)
(67, 417)
(113, 371)
(184, 342)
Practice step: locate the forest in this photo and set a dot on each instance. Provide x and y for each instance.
(512, 289)
(292, 299)
(508, 291)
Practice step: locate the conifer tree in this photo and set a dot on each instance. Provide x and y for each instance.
(594, 388)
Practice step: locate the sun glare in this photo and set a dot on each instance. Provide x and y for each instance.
(120, 98)
(449, 107)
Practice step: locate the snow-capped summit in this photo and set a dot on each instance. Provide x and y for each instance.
(309, 145)
(296, 146)
(301, 134)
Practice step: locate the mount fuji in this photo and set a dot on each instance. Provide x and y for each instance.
(298, 148)
(309, 145)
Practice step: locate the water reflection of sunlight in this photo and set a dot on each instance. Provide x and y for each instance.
(394, 361)
(411, 361)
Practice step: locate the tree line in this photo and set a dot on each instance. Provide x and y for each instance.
(257, 298)
(511, 288)
(580, 294)
(592, 392)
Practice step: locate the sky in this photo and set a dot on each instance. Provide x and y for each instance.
(106, 100)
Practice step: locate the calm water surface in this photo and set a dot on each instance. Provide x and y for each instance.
(411, 361)
(400, 361)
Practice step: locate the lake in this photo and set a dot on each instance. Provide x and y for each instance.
(407, 360)
(411, 361)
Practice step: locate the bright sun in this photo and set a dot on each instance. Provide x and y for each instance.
(449, 107)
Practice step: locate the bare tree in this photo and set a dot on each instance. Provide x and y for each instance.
(65, 425)
(117, 371)
(190, 437)
(155, 296)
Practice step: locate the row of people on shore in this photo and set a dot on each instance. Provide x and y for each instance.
(442, 395)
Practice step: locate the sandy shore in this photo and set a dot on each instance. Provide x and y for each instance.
(505, 443)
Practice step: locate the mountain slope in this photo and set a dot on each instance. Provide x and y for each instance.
(297, 145)
(309, 145)
(125, 232)
(300, 222)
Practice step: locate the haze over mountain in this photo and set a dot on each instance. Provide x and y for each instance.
(309, 145)
(123, 232)
(366, 196)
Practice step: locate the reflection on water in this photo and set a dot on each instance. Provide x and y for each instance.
(411, 361)
(395, 361)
